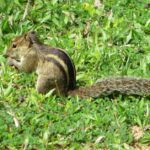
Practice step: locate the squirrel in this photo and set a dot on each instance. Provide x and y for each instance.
(56, 70)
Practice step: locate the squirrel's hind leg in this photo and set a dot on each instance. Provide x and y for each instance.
(45, 84)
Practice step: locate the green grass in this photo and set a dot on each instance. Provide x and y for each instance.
(117, 44)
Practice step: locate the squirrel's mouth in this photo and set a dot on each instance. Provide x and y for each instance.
(17, 59)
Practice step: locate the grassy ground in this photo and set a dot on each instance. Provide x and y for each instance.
(111, 39)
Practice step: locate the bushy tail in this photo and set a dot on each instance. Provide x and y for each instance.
(110, 86)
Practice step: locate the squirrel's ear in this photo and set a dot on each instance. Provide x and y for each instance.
(33, 33)
(33, 36)
(28, 39)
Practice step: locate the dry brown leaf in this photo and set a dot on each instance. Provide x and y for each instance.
(138, 146)
(16, 121)
(88, 146)
(1, 72)
(86, 29)
(137, 132)
(97, 4)
(147, 127)
(110, 14)
(147, 5)
(100, 139)
(26, 143)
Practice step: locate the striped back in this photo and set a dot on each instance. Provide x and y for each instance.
(62, 60)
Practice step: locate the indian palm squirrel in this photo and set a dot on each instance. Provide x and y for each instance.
(56, 70)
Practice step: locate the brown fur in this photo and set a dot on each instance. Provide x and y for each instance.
(54, 67)
(110, 86)
(55, 70)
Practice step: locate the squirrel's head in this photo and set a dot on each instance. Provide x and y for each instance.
(21, 45)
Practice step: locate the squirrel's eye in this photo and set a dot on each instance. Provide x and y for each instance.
(14, 45)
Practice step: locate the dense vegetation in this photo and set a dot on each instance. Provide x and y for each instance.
(111, 38)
